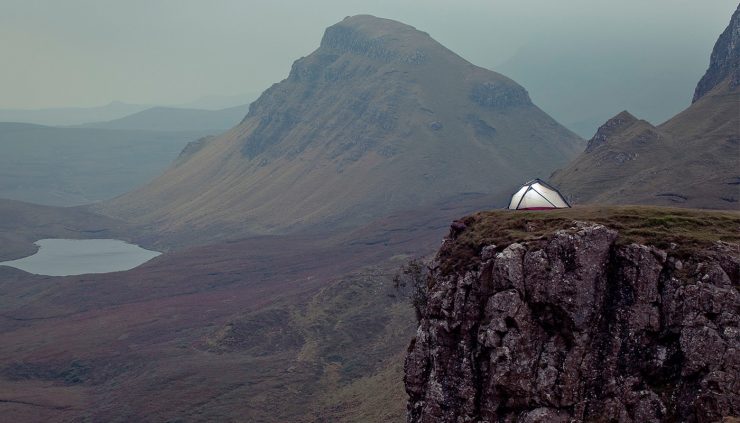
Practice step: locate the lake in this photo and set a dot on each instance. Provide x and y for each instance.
(64, 257)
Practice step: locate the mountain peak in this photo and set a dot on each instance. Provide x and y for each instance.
(378, 38)
(725, 60)
(379, 118)
(613, 126)
(625, 115)
(376, 25)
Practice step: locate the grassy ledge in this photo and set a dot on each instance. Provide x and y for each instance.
(689, 230)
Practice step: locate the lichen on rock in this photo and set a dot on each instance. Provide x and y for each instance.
(578, 327)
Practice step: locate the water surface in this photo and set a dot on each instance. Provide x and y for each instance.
(64, 257)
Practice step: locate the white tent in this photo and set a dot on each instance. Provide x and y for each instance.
(537, 195)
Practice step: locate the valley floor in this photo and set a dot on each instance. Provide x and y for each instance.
(274, 328)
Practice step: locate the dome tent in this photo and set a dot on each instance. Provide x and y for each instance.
(537, 195)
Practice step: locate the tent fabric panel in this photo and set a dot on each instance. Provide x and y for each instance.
(517, 197)
(533, 199)
(537, 195)
(550, 194)
(543, 196)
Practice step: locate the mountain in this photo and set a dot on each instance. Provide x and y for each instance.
(73, 166)
(724, 62)
(620, 314)
(219, 102)
(692, 160)
(63, 116)
(178, 119)
(379, 118)
(587, 93)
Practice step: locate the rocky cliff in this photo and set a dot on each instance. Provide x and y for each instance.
(725, 60)
(580, 323)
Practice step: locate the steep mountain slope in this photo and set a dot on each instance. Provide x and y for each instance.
(379, 118)
(724, 62)
(177, 119)
(691, 160)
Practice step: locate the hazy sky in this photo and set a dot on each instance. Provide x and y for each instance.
(90, 52)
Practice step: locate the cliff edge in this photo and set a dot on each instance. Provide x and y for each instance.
(629, 316)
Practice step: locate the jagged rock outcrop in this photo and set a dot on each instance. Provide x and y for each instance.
(725, 60)
(613, 126)
(578, 327)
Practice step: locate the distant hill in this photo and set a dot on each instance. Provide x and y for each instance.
(379, 118)
(65, 116)
(72, 166)
(220, 102)
(692, 160)
(22, 224)
(178, 119)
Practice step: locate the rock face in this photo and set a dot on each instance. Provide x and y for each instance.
(369, 123)
(725, 60)
(579, 328)
(613, 126)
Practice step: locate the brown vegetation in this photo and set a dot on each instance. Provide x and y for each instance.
(685, 231)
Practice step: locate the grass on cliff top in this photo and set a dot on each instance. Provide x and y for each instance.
(690, 230)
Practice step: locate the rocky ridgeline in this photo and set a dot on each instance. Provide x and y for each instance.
(613, 126)
(578, 328)
(347, 39)
(725, 59)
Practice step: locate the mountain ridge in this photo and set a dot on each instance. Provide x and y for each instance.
(60, 116)
(163, 118)
(379, 118)
(690, 160)
(724, 62)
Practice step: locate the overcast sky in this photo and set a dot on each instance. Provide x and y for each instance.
(90, 52)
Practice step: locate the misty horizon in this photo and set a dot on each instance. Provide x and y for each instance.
(317, 212)
(177, 53)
